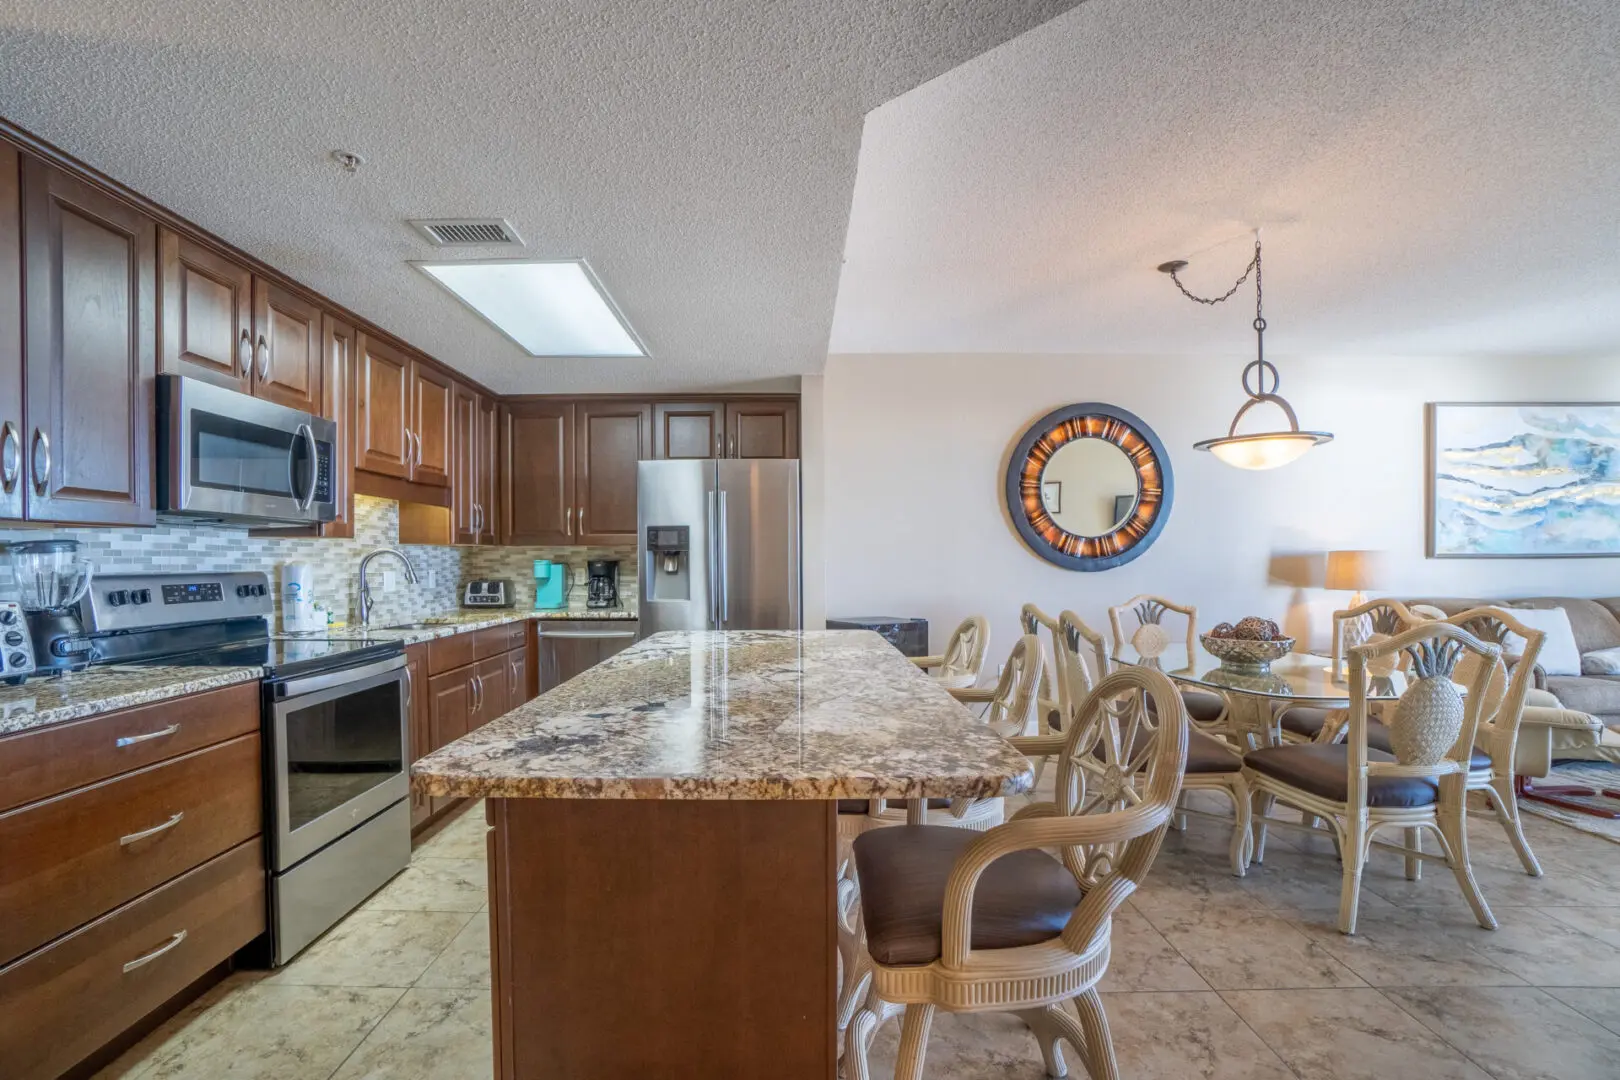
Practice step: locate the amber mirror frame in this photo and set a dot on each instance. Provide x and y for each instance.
(1155, 487)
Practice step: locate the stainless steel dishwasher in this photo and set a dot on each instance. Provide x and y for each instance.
(569, 646)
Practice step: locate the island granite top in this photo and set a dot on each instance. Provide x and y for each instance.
(750, 714)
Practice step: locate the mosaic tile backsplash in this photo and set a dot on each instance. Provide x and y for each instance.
(441, 571)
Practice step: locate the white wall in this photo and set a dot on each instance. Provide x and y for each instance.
(915, 449)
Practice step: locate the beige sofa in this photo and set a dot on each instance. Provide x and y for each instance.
(1584, 722)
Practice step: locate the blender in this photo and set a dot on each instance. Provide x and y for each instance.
(50, 579)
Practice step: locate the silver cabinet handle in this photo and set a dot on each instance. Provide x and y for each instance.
(410, 449)
(42, 473)
(244, 353)
(10, 457)
(264, 359)
(731, 450)
(131, 740)
(141, 961)
(719, 446)
(582, 521)
(478, 518)
(570, 521)
(125, 841)
(478, 693)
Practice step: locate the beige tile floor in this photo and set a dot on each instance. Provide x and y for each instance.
(1212, 977)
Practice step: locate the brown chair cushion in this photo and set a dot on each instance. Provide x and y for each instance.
(1378, 739)
(1324, 771)
(1203, 707)
(860, 806)
(1305, 720)
(1206, 756)
(1022, 899)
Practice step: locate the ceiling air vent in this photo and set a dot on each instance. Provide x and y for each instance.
(468, 232)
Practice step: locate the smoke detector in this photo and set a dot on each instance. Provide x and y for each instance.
(468, 232)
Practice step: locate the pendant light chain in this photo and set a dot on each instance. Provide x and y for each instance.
(1253, 268)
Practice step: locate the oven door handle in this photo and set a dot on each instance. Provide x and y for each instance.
(310, 684)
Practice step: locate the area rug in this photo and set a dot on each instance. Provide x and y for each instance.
(1589, 774)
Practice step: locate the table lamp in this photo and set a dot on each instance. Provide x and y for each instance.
(1354, 572)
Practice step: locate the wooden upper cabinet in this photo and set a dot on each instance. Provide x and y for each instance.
(432, 397)
(683, 429)
(90, 340)
(287, 367)
(382, 409)
(11, 321)
(465, 460)
(488, 439)
(612, 438)
(762, 429)
(206, 330)
(537, 473)
(337, 396)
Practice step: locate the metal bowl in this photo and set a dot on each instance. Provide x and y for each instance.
(1246, 655)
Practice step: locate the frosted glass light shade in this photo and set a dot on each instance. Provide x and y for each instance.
(1261, 451)
(548, 308)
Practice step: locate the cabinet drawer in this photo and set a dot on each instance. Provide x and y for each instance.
(459, 650)
(71, 858)
(72, 997)
(50, 760)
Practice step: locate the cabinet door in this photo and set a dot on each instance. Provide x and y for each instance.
(684, 429)
(421, 717)
(465, 464)
(383, 407)
(286, 347)
(762, 429)
(488, 437)
(450, 700)
(493, 692)
(612, 438)
(517, 678)
(433, 395)
(90, 343)
(537, 474)
(337, 392)
(11, 360)
(206, 327)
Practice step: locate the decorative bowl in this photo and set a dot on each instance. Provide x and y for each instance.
(1246, 655)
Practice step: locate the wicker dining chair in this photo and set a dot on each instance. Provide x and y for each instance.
(962, 662)
(1053, 696)
(1360, 790)
(1010, 711)
(992, 922)
(1149, 611)
(1314, 723)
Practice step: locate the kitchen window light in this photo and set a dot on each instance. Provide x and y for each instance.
(548, 307)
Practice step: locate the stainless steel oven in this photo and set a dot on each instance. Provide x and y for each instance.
(227, 456)
(338, 772)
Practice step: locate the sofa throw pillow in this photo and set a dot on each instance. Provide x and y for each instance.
(1559, 653)
(1601, 662)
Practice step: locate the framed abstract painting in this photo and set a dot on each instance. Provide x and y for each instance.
(1527, 481)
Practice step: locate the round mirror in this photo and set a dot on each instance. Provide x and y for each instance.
(1089, 487)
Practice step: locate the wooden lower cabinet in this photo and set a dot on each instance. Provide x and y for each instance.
(492, 676)
(67, 1000)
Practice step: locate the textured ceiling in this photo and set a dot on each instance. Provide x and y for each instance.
(700, 154)
(1431, 177)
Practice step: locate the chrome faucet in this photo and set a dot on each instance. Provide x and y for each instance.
(365, 586)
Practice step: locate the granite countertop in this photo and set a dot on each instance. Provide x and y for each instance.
(462, 621)
(736, 715)
(43, 700)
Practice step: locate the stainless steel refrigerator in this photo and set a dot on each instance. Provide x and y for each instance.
(719, 545)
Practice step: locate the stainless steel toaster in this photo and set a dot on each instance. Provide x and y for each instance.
(488, 592)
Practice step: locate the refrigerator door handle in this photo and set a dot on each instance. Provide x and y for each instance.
(711, 566)
(725, 564)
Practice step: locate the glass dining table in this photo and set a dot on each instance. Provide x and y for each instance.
(1256, 702)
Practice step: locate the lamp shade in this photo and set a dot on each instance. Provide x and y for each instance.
(1354, 571)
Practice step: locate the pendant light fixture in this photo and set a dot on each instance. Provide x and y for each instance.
(1261, 449)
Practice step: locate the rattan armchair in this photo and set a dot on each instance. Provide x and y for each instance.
(991, 922)
(1361, 791)
(962, 662)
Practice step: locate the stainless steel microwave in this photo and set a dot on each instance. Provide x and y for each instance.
(226, 456)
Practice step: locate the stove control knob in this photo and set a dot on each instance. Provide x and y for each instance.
(17, 659)
(14, 637)
(8, 617)
(141, 596)
(118, 598)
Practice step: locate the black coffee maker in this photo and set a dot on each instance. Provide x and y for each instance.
(603, 588)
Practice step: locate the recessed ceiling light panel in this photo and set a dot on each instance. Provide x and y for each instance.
(552, 307)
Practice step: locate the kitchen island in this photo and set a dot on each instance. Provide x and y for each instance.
(663, 838)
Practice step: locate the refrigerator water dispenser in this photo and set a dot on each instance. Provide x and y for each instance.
(669, 567)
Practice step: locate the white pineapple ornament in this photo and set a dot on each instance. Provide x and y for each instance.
(1150, 639)
(1429, 716)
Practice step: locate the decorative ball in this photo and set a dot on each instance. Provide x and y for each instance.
(1150, 640)
(1224, 630)
(1276, 631)
(1253, 629)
